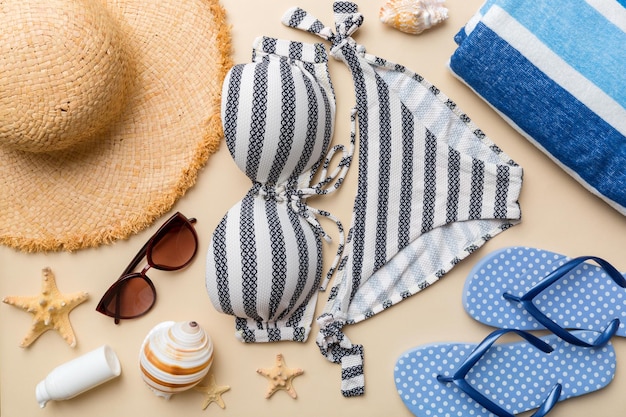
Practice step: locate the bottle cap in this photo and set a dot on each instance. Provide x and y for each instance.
(42, 394)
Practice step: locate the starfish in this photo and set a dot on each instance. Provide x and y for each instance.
(280, 377)
(213, 393)
(50, 310)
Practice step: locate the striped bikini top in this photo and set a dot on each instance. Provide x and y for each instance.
(264, 262)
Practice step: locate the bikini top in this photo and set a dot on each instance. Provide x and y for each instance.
(264, 262)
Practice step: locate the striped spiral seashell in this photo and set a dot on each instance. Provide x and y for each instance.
(413, 16)
(175, 356)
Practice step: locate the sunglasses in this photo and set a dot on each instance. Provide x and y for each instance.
(172, 247)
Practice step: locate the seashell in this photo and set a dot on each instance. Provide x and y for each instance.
(175, 356)
(413, 16)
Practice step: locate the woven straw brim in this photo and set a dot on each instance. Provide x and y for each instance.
(121, 182)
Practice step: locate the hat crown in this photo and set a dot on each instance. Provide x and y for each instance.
(65, 73)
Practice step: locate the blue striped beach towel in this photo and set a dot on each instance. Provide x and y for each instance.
(556, 71)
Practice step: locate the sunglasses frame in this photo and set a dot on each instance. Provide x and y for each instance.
(146, 252)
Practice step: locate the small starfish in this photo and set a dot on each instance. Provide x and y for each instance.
(50, 309)
(280, 377)
(213, 393)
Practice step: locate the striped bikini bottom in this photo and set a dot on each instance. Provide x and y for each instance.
(432, 188)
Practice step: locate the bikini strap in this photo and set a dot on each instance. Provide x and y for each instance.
(329, 183)
(331, 340)
(337, 348)
(347, 21)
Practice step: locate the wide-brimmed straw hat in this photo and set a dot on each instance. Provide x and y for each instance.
(108, 109)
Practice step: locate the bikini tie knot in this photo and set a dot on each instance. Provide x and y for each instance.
(345, 28)
(295, 197)
(337, 348)
(330, 334)
(347, 21)
(278, 193)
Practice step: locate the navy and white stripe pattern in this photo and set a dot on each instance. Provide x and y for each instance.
(431, 190)
(264, 262)
(278, 111)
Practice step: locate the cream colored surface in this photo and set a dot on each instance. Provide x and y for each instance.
(558, 214)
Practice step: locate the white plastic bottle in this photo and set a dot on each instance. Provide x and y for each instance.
(78, 375)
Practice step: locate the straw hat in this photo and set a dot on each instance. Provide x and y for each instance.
(108, 109)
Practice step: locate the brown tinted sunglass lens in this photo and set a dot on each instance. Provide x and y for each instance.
(175, 247)
(135, 296)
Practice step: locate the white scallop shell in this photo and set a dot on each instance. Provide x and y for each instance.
(413, 16)
(175, 356)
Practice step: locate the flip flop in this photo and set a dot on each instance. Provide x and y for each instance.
(457, 379)
(532, 289)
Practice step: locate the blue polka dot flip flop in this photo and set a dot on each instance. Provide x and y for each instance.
(461, 380)
(531, 289)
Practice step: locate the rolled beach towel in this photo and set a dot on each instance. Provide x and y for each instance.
(555, 70)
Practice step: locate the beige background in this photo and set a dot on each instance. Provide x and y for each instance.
(558, 214)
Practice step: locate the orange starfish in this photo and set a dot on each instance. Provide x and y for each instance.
(280, 377)
(213, 393)
(50, 310)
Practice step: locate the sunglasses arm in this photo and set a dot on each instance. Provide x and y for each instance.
(142, 252)
(133, 264)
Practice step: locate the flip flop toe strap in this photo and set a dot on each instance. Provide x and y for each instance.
(459, 376)
(526, 301)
